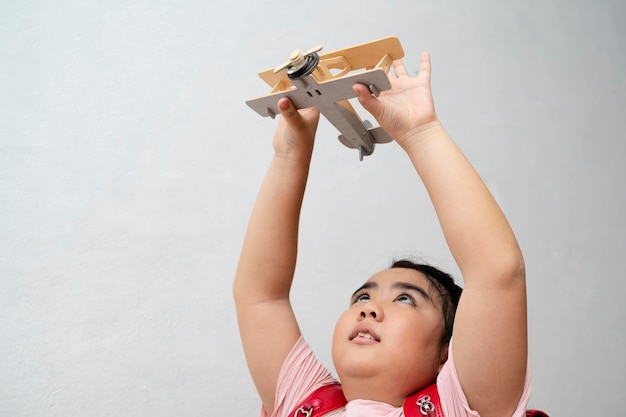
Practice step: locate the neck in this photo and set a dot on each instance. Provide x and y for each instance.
(373, 389)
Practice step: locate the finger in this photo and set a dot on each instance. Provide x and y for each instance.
(425, 66)
(399, 69)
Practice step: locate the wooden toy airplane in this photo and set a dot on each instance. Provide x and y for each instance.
(325, 81)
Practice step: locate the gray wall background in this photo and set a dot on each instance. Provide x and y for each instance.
(129, 164)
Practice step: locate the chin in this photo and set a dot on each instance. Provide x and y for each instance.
(353, 366)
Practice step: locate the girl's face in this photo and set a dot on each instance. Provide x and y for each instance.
(391, 333)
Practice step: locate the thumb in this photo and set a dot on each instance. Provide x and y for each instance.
(290, 113)
(367, 99)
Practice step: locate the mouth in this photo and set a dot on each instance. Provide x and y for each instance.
(364, 335)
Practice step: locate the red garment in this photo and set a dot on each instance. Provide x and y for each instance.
(302, 373)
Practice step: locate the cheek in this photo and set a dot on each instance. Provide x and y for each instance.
(338, 338)
(341, 328)
(420, 343)
(417, 331)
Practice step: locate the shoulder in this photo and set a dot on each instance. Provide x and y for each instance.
(453, 399)
(301, 374)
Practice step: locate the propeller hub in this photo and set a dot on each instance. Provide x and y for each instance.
(307, 66)
(299, 59)
(296, 58)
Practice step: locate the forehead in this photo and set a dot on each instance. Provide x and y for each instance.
(392, 275)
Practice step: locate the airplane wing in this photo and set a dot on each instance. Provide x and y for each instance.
(359, 57)
(310, 93)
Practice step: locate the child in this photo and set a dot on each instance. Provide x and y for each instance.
(392, 341)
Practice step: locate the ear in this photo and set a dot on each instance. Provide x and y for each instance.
(443, 356)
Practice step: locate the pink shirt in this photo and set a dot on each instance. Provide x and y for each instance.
(302, 373)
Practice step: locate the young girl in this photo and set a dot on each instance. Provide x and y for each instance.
(397, 337)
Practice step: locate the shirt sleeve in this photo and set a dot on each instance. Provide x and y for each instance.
(300, 375)
(453, 398)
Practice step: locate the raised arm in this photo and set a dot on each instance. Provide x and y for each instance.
(490, 336)
(267, 262)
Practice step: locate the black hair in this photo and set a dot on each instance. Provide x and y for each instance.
(449, 292)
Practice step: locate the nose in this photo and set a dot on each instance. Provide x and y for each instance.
(371, 310)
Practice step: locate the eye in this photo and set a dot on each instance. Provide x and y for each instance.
(407, 299)
(361, 297)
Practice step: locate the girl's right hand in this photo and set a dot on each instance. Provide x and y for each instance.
(296, 129)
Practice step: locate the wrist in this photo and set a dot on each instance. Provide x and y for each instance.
(292, 160)
(300, 154)
(415, 138)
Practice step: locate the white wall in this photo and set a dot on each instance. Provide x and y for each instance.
(129, 164)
